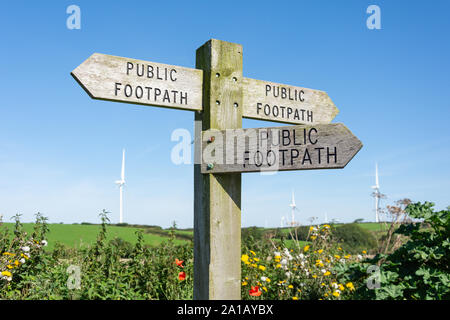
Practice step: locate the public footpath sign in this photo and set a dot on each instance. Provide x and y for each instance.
(323, 146)
(220, 96)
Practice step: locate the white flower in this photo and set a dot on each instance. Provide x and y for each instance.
(44, 243)
(288, 274)
(359, 256)
(263, 278)
(26, 249)
(323, 270)
(335, 285)
(283, 262)
(22, 260)
(301, 256)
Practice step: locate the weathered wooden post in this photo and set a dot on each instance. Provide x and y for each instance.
(217, 197)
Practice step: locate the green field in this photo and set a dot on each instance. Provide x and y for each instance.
(76, 235)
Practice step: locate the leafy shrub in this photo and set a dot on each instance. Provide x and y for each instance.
(419, 269)
(353, 238)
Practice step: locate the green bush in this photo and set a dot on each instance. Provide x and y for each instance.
(353, 238)
(419, 269)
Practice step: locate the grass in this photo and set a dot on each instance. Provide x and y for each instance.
(75, 235)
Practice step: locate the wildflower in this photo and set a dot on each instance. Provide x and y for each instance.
(314, 276)
(244, 258)
(327, 273)
(16, 263)
(313, 237)
(359, 257)
(265, 289)
(268, 280)
(340, 249)
(306, 248)
(44, 243)
(284, 262)
(364, 252)
(337, 256)
(6, 273)
(322, 284)
(326, 226)
(350, 286)
(278, 266)
(253, 252)
(254, 291)
(9, 266)
(262, 268)
(8, 254)
(290, 286)
(22, 260)
(244, 283)
(336, 293)
(179, 262)
(263, 278)
(254, 265)
(277, 254)
(295, 298)
(341, 287)
(182, 276)
(26, 249)
(256, 259)
(320, 251)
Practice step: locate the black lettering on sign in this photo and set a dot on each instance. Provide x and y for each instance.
(282, 152)
(309, 135)
(129, 67)
(285, 135)
(306, 157)
(318, 152)
(331, 155)
(139, 92)
(246, 158)
(117, 87)
(294, 156)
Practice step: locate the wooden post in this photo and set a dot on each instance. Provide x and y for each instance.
(217, 197)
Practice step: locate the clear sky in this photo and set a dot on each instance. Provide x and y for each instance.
(60, 150)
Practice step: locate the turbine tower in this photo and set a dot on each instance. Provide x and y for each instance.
(120, 183)
(293, 207)
(377, 195)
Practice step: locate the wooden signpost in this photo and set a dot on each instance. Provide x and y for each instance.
(221, 97)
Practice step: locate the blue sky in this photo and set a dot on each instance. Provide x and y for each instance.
(60, 150)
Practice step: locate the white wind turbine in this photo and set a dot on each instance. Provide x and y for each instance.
(377, 194)
(120, 183)
(293, 208)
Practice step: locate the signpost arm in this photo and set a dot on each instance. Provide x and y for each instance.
(217, 197)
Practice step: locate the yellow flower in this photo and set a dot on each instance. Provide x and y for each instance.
(336, 293)
(337, 256)
(256, 259)
(9, 266)
(311, 228)
(327, 273)
(314, 276)
(278, 257)
(350, 286)
(254, 265)
(244, 258)
(253, 252)
(278, 266)
(364, 251)
(339, 248)
(244, 283)
(313, 237)
(6, 273)
(322, 284)
(306, 248)
(326, 226)
(341, 287)
(265, 289)
(325, 295)
(268, 280)
(290, 286)
(320, 251)
(262, 268)
(16, 262)
(294, 298)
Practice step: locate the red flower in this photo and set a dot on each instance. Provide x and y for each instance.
(254, 291)
(182, 276)
(179, 262)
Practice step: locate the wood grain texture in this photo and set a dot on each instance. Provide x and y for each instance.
(217, 198)
(324, 146)
(265, 100)
(135, 81)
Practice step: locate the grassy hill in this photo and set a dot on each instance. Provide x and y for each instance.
(76, 235)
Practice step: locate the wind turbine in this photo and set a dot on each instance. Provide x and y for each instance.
(120, 183)
(293, 207)
(377, 194)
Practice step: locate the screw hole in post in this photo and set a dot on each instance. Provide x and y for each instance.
(218, 102)
(235, 105)
(217, 75)
(234, 79)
